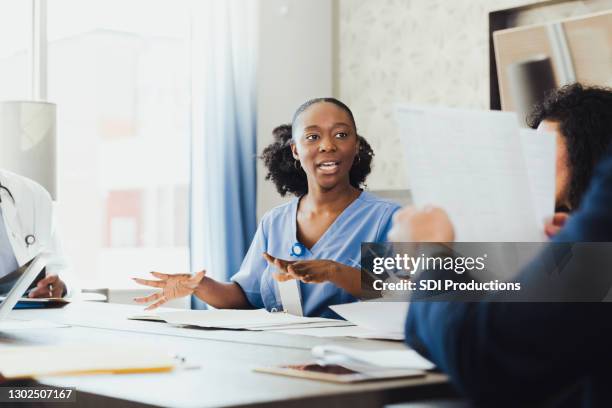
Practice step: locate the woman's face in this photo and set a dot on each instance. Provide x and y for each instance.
(325, 143)
(562, 168)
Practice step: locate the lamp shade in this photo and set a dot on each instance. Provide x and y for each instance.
(28, 143)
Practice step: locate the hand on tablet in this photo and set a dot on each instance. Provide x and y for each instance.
(49, 287)
(172, 286)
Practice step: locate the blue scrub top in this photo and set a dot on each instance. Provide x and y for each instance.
(367, 219)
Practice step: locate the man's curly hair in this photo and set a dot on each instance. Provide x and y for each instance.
(584, 115)
(281, 165)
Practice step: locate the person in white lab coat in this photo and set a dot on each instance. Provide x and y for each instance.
(26, 230)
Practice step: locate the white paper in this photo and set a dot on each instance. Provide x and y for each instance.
(378, 317)
(346, 331)
(237, 319)
(306, 325)
(471, 163)
(291, 297)
(539, 152)
(405, 358)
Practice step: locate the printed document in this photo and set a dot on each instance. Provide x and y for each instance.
(496, 183)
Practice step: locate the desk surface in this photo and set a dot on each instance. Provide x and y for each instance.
(225, 359)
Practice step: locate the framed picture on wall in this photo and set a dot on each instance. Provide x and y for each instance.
(571, 40)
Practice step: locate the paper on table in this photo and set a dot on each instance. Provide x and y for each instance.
(238, 319)
(147, 318)
(41, 361)
(471, 163)
(346, 331)
(275, 326)
(379, 317)
(405, 358)
(306, 325)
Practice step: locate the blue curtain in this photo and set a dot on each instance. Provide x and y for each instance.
(223, 150)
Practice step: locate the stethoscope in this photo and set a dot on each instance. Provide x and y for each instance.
(298, 249)
(29, 239)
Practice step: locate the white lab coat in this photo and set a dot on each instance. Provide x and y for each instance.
(31, 214)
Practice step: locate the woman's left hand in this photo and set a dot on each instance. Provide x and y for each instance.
(312, 271)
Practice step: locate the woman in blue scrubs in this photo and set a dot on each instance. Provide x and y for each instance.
(315, 238)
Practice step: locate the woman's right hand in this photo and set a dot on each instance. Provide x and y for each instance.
(555, 224)
(172, 286)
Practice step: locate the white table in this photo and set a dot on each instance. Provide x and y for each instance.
(226, 359)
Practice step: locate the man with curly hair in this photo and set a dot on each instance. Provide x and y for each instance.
(500, 353)
(581, 119)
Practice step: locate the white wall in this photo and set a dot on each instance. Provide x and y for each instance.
(418, 51)
(295, 64)
(371, 55)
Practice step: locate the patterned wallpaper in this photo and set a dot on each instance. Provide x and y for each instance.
(418, 51)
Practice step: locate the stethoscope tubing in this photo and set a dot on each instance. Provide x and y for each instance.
(29, 239)
(2, 187)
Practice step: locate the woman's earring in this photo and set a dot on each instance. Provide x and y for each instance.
(358, 160)
(296, 164)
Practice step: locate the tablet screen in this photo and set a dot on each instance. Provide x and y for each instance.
(9, 280)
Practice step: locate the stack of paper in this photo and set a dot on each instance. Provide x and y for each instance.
(382, 319)
(360, 359)
(372, 320)
(40, 361)
(259, 319)
(495, 181)
(343, 331)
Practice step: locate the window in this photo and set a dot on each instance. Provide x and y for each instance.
(119, 74)
(15, 49)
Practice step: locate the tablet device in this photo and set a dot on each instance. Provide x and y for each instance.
(20, 281)
(338, 373)
(39, 303)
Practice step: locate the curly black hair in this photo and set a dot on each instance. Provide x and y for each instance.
(584, 115)
(290, 178)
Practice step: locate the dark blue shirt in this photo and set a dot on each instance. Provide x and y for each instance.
(526, 353)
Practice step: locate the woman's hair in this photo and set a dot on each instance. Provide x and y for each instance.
(286, 173)
(584, 115)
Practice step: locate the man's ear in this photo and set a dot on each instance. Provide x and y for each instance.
(294, 151)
